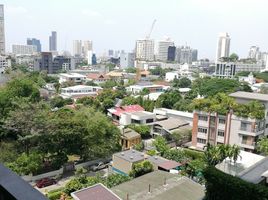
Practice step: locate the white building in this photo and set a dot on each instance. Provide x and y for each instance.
(184, 54)
(24, 49)
(2, 30)
(127, 60)
(73, 77)
(79, 91)
(145, 49)
(223, 46)
(254, 52)
(249, 79)
(136, 89)
(87, 46)
(4, 63)
(249, 67)
(225, 69)
(162, 50)
(77, 47)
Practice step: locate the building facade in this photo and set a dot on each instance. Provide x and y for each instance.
(225, 70)
(2, 31)
(5, 63)
(127, 60)
(145, 49)
(19, 49)
(162, 53)
(35, 42)
(194, 55)
(254, 53)
(77, 47)
(53, 41)
(44, 62)
(230, 129)
(171, 55)
(184, 54)
(223, 46)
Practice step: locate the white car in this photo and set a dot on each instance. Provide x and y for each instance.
(98, 166)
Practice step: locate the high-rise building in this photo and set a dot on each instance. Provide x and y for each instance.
(171, 53)
(254, 53)
(145, 49)
(53, 41)
(110, 53)
(194, 55)
(184, 54)
(94, 59)
(162, 52)
(223, 47)
(77, 47)
(87, 46)
(2, 31)
(127, 60)
(35, 42)
(23, 49)
(44, 62)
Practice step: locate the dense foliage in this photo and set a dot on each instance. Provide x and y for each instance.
(221, 186)
(141, 168)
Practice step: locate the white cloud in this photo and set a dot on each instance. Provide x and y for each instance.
(15, 10)
(91, 13)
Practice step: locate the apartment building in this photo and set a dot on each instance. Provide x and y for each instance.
(79, 91)
(5, 63)
(230, 129)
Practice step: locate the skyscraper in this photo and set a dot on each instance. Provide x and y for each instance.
(77, 47)
(87, 46)
(53, 41)
(194, 55)
(145, 49)
(184, 54)
(35, 42)
(171, 53)
(2, 30)
(163, 45)
(223, 48)
(254, 52)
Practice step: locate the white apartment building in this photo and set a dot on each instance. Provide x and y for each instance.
(87, 46)
(79, 91)
(77, 47)
(127, 60)
(223, 46)
(145, 49)
(230, 129)
(24, 49)
(225, 69)
(162, 50)
(73, 77)
(5, 63)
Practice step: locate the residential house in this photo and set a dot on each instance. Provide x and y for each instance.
(72, 77)
(95, 192)
(98, 78)
(136, 89)
(79, 91)
(230, 129)
(132, 114)
(129, 138)
(116, 76)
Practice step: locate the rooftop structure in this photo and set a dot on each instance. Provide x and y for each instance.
(135, 89)
(75, 77)
(95, 192)
(80, 91)
(160, 185)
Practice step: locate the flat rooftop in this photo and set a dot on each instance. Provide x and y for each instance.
(163, 185)
(131, 155)
(250, 96)
(95, 192)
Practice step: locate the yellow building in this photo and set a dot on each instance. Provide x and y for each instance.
(129, 138)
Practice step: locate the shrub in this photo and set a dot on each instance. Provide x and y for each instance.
(54, 195)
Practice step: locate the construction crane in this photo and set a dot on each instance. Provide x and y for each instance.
(138, 71)
(150, 32)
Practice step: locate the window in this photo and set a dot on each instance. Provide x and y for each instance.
(245, 126)
(202, 141)
(202, 118)
(149, 120)
(221, 133)
(221, 121)
(134, 121)
(202, 130)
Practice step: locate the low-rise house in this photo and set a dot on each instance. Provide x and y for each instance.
(72, 77)
(116, 76)
(153, 96)
(249, 167)
(79, 91)
(136, 89)
(98, 78)
(129, 138)
(133, 114)
(124, 161)
(95, 192)
(160, 185)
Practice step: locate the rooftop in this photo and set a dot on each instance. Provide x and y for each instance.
(16, 186)
(165, 111)
(71, 75)
(81, 87)
(131, 155)
(97, 76)
(142, 113)
(171, 123)
(126, 109)
(129, 133)
(169, 164)
(250, 96)
(163, 185)
(95, 192)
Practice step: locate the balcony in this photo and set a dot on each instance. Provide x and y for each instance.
(247, 146)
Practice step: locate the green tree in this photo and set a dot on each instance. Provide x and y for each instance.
(160, 144)
(234, 57)
(143, 130)
(262, 146)
(141, 168)
(168, 99)
(182, 82)
(91, 83)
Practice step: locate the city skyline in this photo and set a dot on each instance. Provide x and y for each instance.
(193, 22)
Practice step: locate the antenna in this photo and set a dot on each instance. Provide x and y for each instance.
(150, 32)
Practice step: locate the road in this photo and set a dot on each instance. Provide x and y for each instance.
(64, 181)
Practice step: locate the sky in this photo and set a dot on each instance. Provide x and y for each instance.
(116, 24)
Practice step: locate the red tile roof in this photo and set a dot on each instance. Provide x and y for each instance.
(127, 109)
(98, 76)
(170, 164)
(95, 192)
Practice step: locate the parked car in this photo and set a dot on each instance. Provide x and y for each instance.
(45, 182)
(98, 166)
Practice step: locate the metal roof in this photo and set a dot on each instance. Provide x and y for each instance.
(250, 96)
(171, 123)
(17, 187)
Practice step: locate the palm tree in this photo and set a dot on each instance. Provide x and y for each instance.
(236, 154)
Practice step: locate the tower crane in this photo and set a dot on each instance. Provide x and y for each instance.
(150, 32)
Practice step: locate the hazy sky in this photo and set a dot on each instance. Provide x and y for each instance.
(116, 24)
